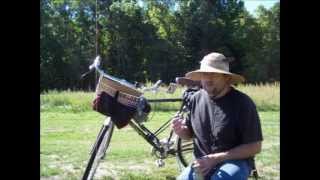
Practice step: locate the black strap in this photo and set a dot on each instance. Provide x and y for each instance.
(254, 170)
(116, 95)
(255, 174)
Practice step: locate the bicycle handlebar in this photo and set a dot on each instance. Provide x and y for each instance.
(96, 65)
(154, 88)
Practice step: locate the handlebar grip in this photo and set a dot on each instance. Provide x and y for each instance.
(157, 84)
(91, 67)
(96, 63)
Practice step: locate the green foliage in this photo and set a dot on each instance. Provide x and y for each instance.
(263, 63)
(153, 40)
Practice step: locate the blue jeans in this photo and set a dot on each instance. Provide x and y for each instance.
(232, 169)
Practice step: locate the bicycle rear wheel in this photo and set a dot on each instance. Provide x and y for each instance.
(184, 151)
(99, 149)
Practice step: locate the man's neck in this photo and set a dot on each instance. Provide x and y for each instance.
(223, 92)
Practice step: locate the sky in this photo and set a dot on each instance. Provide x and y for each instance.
(252, 5)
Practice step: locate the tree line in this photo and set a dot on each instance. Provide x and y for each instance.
(147, 40)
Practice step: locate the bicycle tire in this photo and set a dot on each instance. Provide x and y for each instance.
(184, 151)
(101, 145)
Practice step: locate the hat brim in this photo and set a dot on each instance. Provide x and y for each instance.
(203, 74)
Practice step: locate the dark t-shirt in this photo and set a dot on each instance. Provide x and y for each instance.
(222, 124)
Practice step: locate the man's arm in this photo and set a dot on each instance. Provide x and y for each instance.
(240, 152)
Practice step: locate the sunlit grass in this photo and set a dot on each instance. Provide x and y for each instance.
(66, 140)
(266, 97)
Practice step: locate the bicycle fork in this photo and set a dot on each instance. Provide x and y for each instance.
(103, 128)
(88, 174)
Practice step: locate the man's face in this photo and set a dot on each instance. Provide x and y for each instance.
(214, 84)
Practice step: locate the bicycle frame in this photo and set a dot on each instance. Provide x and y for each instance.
(152, 138)
(161, 148)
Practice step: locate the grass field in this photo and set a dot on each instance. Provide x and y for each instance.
(266, 97)
(69, 128)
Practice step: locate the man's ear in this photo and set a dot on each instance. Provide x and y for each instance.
(229, 78)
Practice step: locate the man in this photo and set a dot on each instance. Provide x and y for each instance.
(223, 123)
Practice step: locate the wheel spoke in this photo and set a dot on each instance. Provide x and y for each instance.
(187, 150)
(186, 145)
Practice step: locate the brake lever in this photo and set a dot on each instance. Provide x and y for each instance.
(92, 67)
(85, 74)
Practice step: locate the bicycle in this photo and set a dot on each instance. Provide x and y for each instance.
(172, 146)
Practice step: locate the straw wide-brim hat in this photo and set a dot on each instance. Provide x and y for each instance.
(211, 64)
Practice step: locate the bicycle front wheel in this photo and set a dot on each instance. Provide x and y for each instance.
(99, 149)
(184, 151)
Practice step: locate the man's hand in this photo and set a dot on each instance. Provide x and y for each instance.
(206, 163)
(180, 128)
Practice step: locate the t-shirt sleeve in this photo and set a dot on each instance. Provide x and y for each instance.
(188, 122)
(249, 127)
(191, 107)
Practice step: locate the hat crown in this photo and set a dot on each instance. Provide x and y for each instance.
(215, 60)
(214, 63)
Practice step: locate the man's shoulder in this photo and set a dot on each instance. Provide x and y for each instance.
(243, 97)
(239, 93)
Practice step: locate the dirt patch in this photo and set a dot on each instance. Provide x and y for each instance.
(116, 169)
(270, 145)
(68, 168)
(50, 178)
(265, 171)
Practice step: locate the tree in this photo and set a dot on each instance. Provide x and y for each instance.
(265, 66)
(156, 39)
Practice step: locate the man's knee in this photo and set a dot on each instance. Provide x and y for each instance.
(236, 170)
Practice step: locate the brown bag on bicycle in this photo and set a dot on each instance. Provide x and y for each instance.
(104, 104)
(118, 101)
(120, 114)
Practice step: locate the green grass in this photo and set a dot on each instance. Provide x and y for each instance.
(266, 97)
(66, 139)
(69, 127)
(66, 101)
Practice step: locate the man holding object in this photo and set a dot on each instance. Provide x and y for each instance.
(223, 124)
